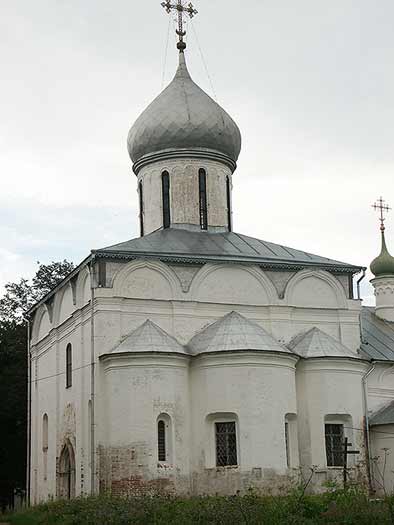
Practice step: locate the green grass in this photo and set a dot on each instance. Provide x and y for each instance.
(331, 508)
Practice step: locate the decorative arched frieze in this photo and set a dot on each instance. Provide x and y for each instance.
(385, 376)
(63, 305)
(83, 291)
(147, 280)
(42, 324)
(315, 289)
(233, 284)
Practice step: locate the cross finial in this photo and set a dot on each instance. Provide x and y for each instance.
(382, 208)
(182, 9)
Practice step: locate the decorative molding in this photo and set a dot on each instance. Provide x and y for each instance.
(198, 154)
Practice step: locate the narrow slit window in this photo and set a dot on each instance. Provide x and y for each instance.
(334, 444)
(226, 444)
(161, 441)
(287, 441)
(165, 180)
(69, 366)
(141, 199)
(202, 176)
(45, 445)
(102, 273)
(228, 193)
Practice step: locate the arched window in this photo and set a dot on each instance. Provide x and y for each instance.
(164, 439)
(202, 180)
(69, 365)
(161, 440)
(45, 445)
(165, 182)
(228, 195)
(67, 472)
(141, 199)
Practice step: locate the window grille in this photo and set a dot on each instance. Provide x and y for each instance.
(202, 176)
(69, 366)
(161, 441)
(334, 445)
(226, 444)
(141, 199)
(165, 180)
(228, 193)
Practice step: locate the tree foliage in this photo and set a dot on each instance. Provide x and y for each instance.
(18, 298)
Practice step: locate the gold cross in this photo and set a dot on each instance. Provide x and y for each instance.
(382, 208)
(182, 9)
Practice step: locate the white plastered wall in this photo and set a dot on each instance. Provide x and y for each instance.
(256, 390)
(184, 193)
(181, 303)
(329, 390)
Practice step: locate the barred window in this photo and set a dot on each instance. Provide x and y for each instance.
(202, 179)
(334, 444)
(161, 440)
(165, 182)
(69, 366)
(226, 444)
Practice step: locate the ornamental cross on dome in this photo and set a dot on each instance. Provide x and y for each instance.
(382, 208)
(182, 9)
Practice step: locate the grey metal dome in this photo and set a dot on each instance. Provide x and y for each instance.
(183, 121)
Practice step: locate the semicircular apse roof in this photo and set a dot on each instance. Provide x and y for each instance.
(316, 343)
(234, 333)
(149, 338)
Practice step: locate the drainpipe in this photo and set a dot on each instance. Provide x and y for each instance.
(92, 384)
(28, 415)
(359, 283)
(366, 419)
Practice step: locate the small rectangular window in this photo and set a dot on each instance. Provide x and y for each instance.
(69, 366)
(334, 444)
(226, 444)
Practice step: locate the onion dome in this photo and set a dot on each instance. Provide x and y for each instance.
(183, 121)
(384, 264)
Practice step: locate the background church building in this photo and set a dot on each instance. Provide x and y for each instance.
(197, 360)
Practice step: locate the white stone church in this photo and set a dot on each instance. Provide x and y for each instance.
(197, 360)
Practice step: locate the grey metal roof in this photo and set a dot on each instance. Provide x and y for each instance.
(316, 343)
(384, 416)
(149, 338)
(184, 117)
(176, 245)
(234, 333)
(377, 336)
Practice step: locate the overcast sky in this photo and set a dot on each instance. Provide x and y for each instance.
(310, 84)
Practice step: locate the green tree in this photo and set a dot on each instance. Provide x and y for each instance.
(15, 303)
(21, 296)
